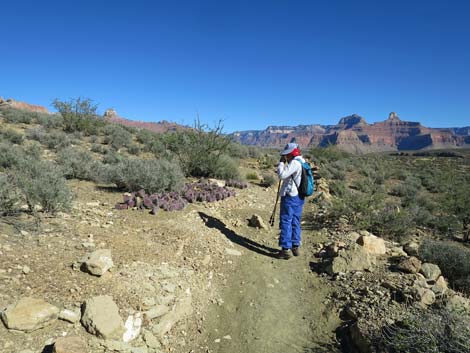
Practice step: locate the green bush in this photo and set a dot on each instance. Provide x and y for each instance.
(252, 176)
(36, 133)
(77, 164)
(133, 149)
(431, 331)
(151, 175)
(111, 156)
(9, 195)
(269, 179)
(453, 260)
(56, 140)
(13, 136)
(98, 148)
(79, 115)
(17, 116)
(117, 136)
(50, 121)
(41, 183)
(10, 155)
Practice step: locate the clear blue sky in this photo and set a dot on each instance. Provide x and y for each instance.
(250, 63)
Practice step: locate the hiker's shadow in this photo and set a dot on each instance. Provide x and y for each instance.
(261, 249)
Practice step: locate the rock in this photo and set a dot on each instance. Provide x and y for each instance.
(29, 314)
(397, 251)
(458, 303)
(182, 309)
(359, 337)
(101, 318)
(151, 341)
(353, 259)
(409, 265)
(257, 222)
(372, 244)
(425, 297)
(156, 311)
(353, 236)
(98, 262)
(440, 287)
(26, 270)
(70, 344)
(232, 252)
(132, 325)
(332, 250)
(72, 316)
(411, 248)
(430, 271)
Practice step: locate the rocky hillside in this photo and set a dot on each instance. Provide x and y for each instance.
(11, 103)
(354, 134)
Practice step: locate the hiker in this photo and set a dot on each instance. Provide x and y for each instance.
(289, 171)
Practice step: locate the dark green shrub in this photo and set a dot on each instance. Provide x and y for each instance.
(17, 116)
(269, 179)
(453, 260)
(41, 183)
(252, 176)
(430, 331)
(36, 133)
(50, 121)
(151, 175)
(111, 156)
(77, 164)
(13, 136)
(145, 137)
(9, 195)
(321, 156)
(79, 115)
(97, 148)
(117, 136)
(133, 149)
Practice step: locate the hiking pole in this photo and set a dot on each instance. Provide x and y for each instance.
(271, 220)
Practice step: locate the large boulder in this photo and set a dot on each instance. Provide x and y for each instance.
(100, 316)
(372, 244)
(352, 259)
(70, 344)
(29, 314)
(98, 262)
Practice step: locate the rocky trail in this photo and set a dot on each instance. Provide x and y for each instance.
(272, 306)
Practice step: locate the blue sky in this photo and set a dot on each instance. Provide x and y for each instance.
(249, 63)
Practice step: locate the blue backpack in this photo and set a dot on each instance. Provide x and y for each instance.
(307, 184)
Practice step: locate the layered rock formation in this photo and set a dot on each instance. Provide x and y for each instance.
(22, 105)
(354, 134)
(161, 126)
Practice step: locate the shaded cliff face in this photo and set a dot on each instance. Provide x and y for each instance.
(11, 103)
(354, 134)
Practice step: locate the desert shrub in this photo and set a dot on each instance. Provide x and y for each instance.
(41, 183)
(10, 155)
(17, 116)
(110, 156)
(79, 114)
(251, 176)
(431, 331)
(117, 136)
(50, 121)
(151, 175)
(145, 137)
(268, 161)
(9, 195)
(77, 164)
(269, 179)
(453, 260)
(36, 133)
(13, 136)
(222, 167)
(98, 148)
(56, 140)
(133, 149)
(328, 154)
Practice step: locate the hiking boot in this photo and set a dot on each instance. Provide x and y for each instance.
(284, 254)
(296, 250)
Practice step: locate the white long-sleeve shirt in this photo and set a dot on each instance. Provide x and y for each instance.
(289, 173)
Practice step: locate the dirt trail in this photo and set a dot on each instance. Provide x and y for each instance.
(270, 305)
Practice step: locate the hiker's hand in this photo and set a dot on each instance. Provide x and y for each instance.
(283, 159)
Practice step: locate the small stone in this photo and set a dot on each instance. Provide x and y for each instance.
(257, 222)
(227, 337)
(411, 248)
(26, 270)
(29, 314)
(72, 316)
(133, 325)
(232, 252)
(151, 340)
(70, 344)
(217, 340)
(409, 265)
(101, 318)
(440, 287)
(98, 262)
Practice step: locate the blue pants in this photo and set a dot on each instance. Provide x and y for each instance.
(289, 223)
